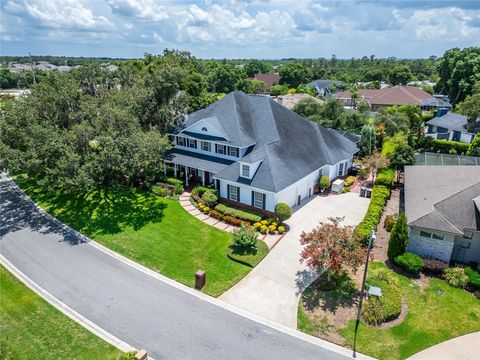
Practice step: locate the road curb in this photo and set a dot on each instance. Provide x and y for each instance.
(202, 296)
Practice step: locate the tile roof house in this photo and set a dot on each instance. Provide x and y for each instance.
(290, 100)
(396, 95)
(257, 152)
(442, 205)
(269, 80)
(450, 126)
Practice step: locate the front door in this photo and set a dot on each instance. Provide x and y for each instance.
(299, 199)
(207, 177)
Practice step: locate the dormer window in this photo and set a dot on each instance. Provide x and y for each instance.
(205, 129)
(245, 171)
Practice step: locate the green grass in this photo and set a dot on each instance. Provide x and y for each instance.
(30, 328)
(431, 319)
(151, 230)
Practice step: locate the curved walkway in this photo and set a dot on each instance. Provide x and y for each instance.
(134, 304)
(464, 347)
(270, 240)
(272, 289)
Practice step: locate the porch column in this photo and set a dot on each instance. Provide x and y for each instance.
(203, 177)
(164, 168)
(186, 175)
(175, 170)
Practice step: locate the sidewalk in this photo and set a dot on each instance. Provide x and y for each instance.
(466, 347)
(270, 240)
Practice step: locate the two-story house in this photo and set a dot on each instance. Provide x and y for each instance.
(257, 152)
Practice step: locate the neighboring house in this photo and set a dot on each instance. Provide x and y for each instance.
(396, 95)
(450, 126)
(257, 152)
(442, 205)
(324, 87)
(269, 80)
(290, 100)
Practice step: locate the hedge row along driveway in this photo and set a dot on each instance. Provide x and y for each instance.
(153, 231)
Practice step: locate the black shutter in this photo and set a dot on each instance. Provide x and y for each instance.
(195, 143)
(216, 148)
(253, 198)
(176, 140)
(228, 191)
(238, 193)
(264, 199)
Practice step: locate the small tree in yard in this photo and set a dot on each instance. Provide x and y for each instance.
(282, 212)
(244, 240)
(397, 245)
(403, 155)
(324, 183)
(374, 162)
(332, 247)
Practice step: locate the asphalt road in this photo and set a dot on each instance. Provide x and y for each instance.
(133, 306)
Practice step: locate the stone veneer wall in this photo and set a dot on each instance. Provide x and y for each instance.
(427, 247)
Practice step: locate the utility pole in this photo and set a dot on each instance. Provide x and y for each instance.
(362, 292)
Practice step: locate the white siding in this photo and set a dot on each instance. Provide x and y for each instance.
(246, 194)
(197, 128)
(466, 137)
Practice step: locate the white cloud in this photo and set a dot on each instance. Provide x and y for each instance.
(142, 10)
(59, 14)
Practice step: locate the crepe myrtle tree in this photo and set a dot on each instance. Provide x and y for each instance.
(332, 247)
(374, 162)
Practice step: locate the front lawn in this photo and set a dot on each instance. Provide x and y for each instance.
(154, 231)
(30, 328)
(435, 314)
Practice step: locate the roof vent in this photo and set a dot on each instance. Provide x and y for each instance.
(204, 129)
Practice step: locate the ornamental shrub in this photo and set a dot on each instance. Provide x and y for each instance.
(456, 277)
(379, 197)
(199, 190)
(272, 228)
(349, 181)
(173, 181)
(389, 222)
(281, 229)
(244, 239)
(324, 182)
(397, 244)
(244, 215)
(282, 212)
(210, 198)
(473, 278)
(160, 190)
(444, 146)
(263, 229)
(410, 262)
(206, 209)
(216, 214)
(434, 266)
(362, 174)
(385, 177)
(178, 188)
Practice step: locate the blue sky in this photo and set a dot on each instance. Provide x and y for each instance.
(238, 29)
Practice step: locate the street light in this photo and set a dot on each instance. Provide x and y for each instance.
(359, 313)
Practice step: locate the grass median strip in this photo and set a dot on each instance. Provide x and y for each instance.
(30, 328)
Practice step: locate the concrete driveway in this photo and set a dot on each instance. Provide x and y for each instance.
(460, 348)
(272, 290)
(128, 302)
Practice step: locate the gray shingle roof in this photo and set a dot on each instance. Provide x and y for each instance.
(442, 197)
(289, 146)
(450, 120)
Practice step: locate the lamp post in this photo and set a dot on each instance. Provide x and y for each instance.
(362, 292)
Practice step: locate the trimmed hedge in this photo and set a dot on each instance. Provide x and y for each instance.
(239, 214)
(234, 221)
(444, 146)
(434, 266)
(173, 181)
(380, 195)
(456, 277)
(473, 278)
(409, 262)
(385, 177)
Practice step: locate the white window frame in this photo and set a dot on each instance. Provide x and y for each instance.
(208, 145)
(341, 169)
(180, 141)
(245, 171)
(223, 151)
(431, 235)
(233, 151)
(191, 142)
(233, 193)
(260, 199)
